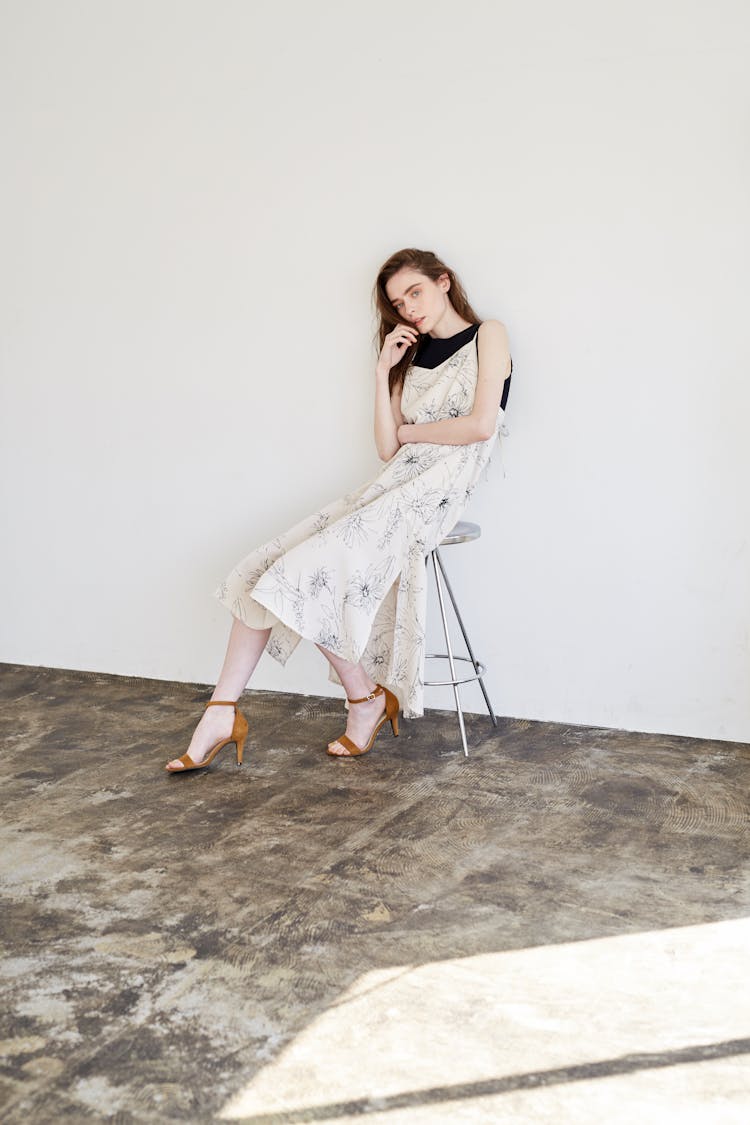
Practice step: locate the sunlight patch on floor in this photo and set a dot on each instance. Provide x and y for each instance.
(422, 1035)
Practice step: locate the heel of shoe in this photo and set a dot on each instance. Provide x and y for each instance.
(391, 710)
(240, 734)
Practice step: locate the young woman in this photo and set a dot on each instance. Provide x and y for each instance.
(351, 577)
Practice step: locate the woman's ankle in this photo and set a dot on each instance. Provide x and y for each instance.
(358, 683)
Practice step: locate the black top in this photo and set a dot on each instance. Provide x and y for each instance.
(432, 351)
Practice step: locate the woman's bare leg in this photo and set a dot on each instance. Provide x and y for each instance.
(244, 650)
(362, 718)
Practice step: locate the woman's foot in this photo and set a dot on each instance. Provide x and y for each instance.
(215, 725)
(361, 722)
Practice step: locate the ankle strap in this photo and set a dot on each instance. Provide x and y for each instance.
(222, 703)
(367, 698)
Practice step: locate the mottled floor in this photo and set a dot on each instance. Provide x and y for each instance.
(552, 930)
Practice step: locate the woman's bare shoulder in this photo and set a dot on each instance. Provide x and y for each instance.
(495, 355)
(494, 333)
(492, 327)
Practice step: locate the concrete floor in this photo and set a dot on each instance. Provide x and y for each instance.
(554, 930)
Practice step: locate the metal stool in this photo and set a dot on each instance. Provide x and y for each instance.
(460, 533)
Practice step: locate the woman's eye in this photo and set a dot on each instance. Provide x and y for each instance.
(398, 305)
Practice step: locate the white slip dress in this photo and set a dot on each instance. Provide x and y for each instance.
(351, 577)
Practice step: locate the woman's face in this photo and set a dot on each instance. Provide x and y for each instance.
(418, 299)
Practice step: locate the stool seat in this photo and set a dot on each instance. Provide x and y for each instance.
(461, 532)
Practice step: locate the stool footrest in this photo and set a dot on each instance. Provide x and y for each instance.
(480, 670)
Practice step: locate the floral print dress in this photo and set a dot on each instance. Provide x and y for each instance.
(352, 576)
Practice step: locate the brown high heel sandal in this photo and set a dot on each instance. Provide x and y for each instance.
(390, 713)
(238, 736)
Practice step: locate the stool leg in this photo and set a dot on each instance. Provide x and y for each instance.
(466, 639)
(450, 652)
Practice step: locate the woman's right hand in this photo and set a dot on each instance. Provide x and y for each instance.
(395, 344)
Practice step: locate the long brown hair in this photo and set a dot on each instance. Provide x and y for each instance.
(427, 263)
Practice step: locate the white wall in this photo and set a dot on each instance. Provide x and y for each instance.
(196, 197)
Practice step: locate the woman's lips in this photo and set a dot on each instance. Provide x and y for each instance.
(418, 322)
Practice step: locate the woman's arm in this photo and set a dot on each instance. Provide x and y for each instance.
(388, 416)
(494, 369)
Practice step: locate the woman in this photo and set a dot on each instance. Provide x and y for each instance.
(351, 578)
